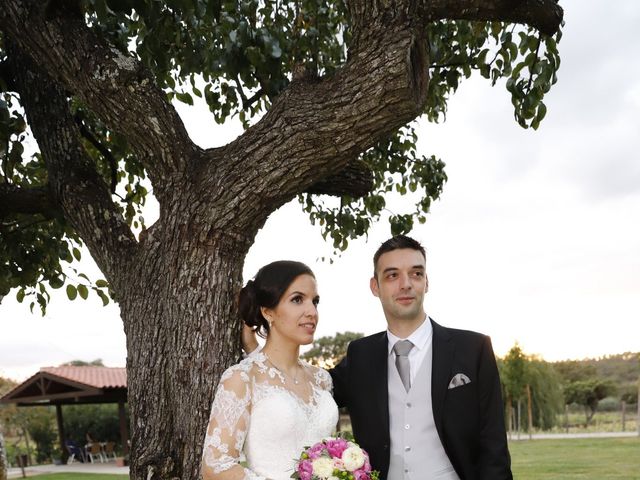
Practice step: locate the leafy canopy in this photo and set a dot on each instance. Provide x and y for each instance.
(326, 352)
(237, 57)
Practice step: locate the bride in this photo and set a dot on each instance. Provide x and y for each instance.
(271, 405)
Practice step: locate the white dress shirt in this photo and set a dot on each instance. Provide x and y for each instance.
(421, 339)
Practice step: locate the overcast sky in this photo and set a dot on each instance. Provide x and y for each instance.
(536, 238)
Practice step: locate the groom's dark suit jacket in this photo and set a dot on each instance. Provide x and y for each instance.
(469, 418)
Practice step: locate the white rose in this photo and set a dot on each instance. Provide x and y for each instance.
(353, 458)
(322, 467)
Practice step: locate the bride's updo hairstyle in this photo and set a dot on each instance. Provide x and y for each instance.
(266, 289)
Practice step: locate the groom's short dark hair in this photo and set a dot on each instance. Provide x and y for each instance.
(395, 243)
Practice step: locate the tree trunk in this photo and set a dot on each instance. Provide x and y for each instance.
(529, 412)
(182, 331)
(3, 459)
(589, 413)
(26, 441)
(509, 416)
(519, 418)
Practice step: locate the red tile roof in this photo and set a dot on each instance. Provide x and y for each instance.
(98, 377)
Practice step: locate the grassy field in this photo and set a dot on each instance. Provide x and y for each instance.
(566, 459)
(576, 459)
(601, 422)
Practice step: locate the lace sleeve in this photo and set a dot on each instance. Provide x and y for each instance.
(228, 425)
(323, 379)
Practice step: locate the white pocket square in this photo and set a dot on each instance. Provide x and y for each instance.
(458, 380)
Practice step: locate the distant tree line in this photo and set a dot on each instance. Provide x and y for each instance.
(535, 393)
(546, 387)
(537, 389)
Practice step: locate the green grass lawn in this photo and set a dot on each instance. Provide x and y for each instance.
(576, 459)
(566, 459)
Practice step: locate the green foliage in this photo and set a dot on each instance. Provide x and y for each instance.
(588, 393)
(37, 422)
(100, 421)
(397, 168)
(238, 56)
(518, 370)
(327, 352)
(629, 394)
(6, 385)
(588, 381)
(622, 370)
(42, 430)
(575, 370)
(83, 363)
(546, 393)
(513, 374)
(527, 60)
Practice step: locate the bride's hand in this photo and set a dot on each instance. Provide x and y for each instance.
(249, 340)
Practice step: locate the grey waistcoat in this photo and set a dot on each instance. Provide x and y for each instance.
(416, 450)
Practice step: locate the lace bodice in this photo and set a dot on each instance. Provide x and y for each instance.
(255, 419)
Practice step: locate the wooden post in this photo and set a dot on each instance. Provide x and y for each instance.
(124, 431)
(63, 451)
(509, 417)
(624, 412)
(519, 417)
(530, 411)
(566, 417)
(26, 441)
(638, 405)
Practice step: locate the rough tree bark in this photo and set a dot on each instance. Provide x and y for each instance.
(3, 459)
(176, 286)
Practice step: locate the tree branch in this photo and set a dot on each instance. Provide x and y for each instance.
(316, 125)
(114, 85)
(75, 186)
(36, 200)
(6, 76)
(113, 166)
(544, 15)
(314, 128)
(355, 180)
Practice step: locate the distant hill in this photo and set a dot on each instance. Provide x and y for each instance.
(622, 369)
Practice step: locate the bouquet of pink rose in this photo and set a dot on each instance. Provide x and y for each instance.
(334, 459)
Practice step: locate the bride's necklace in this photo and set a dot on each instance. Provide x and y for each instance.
(294, 379)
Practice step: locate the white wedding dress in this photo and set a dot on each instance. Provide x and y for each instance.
(257, 420)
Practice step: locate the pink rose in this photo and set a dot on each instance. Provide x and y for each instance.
(305, 470)
(360, 474)
(336, 447)
(315, 451)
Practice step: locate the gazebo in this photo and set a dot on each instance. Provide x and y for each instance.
(74, 386)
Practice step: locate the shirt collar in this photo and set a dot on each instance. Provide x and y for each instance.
(420, 337)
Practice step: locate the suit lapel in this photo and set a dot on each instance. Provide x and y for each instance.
(379, 370)
(443, 351)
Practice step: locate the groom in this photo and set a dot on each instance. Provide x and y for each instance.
(424, 400)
